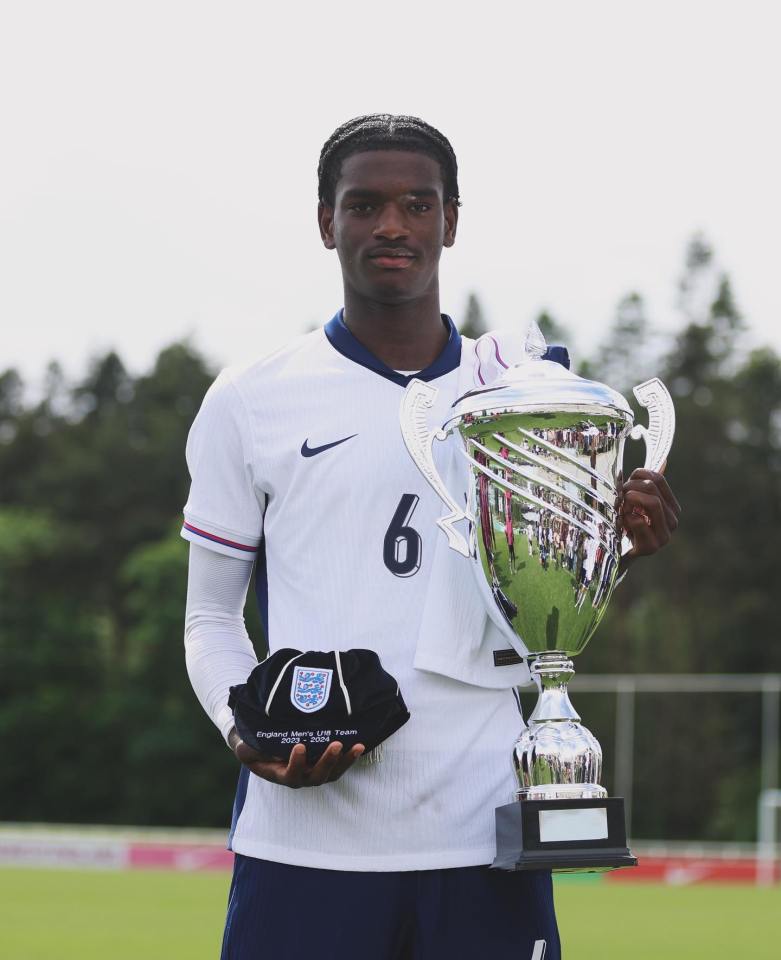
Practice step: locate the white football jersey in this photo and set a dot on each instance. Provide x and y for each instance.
(298, 461)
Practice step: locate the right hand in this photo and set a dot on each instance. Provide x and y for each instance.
(296, 772)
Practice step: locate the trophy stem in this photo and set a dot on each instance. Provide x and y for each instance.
(552, 672)
(556, 757)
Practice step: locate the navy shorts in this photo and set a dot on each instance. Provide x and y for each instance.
(280, 912)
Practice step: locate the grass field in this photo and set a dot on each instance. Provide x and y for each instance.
(60, 915)
(543, 597)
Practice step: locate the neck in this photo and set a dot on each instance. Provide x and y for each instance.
(405, 336)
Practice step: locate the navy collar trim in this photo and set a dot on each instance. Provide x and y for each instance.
(343, 341)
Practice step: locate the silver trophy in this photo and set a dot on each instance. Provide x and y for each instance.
(543, 450)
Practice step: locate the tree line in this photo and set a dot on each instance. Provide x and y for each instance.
(97, 719)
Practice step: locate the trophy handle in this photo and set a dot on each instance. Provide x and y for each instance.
(418, 398)
(658, 435)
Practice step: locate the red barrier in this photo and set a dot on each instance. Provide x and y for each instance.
(179, 856)
(74, 850)
(681, 870)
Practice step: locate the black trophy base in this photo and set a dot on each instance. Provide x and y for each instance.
(562, 835)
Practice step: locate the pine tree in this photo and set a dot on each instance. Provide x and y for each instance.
(624, 359)
(474, 324)
(551, 329)
(697, 286)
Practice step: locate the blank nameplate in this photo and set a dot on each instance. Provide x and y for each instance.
(558, 825)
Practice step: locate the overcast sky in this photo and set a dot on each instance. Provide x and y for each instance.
(157, 167)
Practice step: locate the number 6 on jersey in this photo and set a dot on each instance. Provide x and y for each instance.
(402, 548)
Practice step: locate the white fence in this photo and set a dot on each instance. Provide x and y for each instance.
(626, 687)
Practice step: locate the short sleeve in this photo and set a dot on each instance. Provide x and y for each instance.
(224, 511)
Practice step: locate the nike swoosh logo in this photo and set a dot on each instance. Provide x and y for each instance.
(307, 451)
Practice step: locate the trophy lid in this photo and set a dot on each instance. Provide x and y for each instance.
(540, 386)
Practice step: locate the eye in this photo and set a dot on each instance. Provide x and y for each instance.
(420, 206)
(360, 208)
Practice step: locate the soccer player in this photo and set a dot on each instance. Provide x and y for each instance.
(299, 470)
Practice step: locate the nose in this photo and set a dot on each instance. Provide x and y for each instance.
(391, 223)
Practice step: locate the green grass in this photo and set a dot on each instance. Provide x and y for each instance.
(63, 914)
(96, 915)
(544, 597)
(638, 921)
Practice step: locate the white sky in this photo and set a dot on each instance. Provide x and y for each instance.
(157, 161)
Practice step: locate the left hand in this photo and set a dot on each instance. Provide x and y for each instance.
(649, 512)
(295, 772)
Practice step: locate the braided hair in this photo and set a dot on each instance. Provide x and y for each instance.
(384, 131)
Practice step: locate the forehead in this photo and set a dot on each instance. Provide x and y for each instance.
(391, 172)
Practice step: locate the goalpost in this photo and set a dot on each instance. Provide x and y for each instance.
(767, 817)
(767, 686)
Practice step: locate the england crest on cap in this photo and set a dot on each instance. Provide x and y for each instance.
(310, 688)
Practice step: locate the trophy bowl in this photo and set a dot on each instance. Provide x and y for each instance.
(543, 450)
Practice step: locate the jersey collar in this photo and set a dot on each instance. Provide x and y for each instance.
(342, 340)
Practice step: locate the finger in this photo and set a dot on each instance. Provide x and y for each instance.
(638, 509)
(321, 771)
(671, 517)
(638, 503)
(346, 760)
(642, 486)
(269, 769)
(650, 488)
(247, 754)
(659, 482)
(295, 772)
(667, 495)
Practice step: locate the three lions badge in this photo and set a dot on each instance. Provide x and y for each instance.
(310, 688)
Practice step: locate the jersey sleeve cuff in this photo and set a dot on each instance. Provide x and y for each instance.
(224, 721)
(220, 540)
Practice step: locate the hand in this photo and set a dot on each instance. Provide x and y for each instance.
(296, 772)
(649, 512)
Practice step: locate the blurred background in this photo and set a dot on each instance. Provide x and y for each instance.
(619, 173)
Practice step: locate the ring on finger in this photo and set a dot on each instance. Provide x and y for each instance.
(639, 512)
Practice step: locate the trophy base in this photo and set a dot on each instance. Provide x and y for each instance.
(570, 836)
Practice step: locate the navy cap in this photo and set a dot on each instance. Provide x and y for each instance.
(558, 354)
(316, 698)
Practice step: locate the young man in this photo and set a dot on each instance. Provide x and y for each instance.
(298, 464)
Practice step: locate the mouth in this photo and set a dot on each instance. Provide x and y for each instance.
(390, 258)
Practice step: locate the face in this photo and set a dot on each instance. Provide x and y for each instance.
(389, 224)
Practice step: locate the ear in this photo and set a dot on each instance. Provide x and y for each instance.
(451, 222)
(325, 221)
